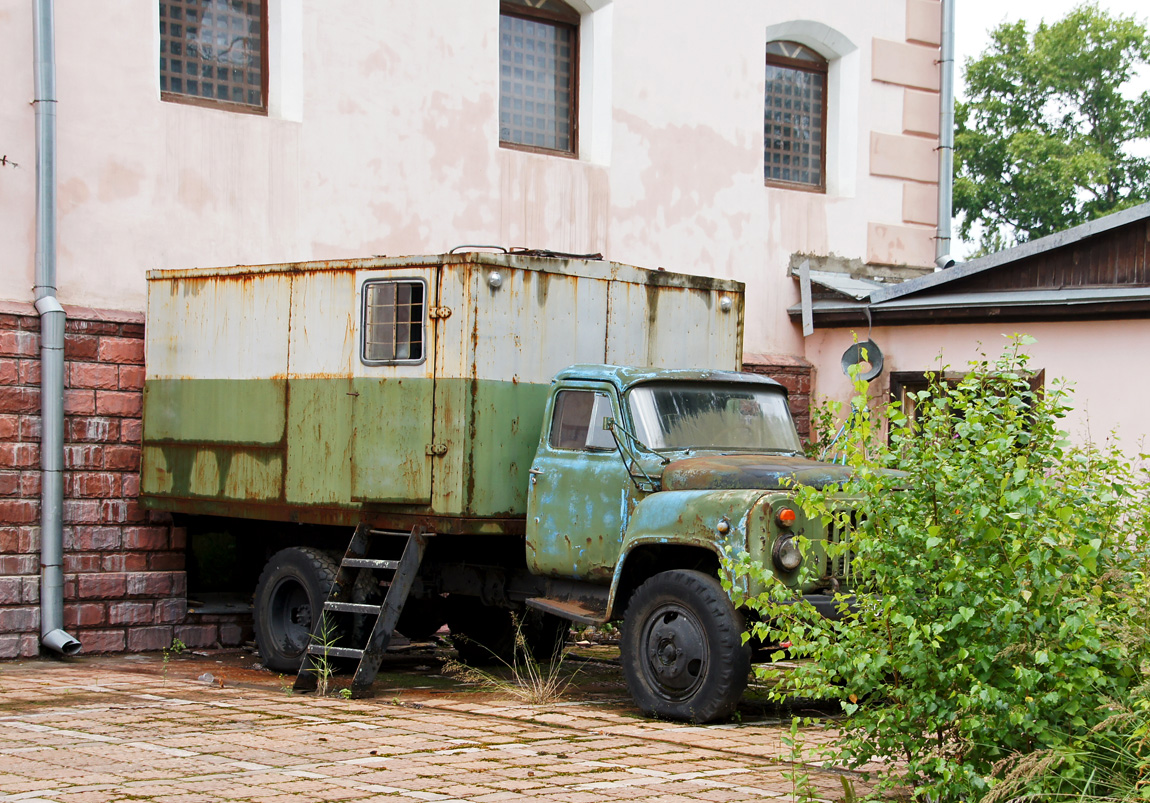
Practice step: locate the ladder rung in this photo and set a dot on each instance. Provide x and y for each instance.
(351, 607)
(334, 652)
(369, 563)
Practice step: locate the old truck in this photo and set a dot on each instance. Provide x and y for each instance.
(568, 440)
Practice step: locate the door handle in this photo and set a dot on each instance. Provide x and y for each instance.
(535, 471)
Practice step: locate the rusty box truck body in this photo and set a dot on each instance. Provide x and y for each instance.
(484, 399)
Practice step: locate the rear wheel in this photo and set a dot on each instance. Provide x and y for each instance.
(288, 602)
(682, 650)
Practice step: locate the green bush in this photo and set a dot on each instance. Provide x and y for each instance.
(1001, 589)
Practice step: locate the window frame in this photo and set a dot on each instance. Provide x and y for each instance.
(554, 435)
(363, 322)
(551, 18)
(168, 96)
(801, 65)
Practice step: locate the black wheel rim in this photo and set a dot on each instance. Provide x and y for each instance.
(290, 619)
(675, 652)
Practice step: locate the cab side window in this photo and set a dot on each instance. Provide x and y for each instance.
(577, 422)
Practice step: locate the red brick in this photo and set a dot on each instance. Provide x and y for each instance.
(166, 561)
(29, 539)
(132, 512)
(135, 330)
(122, 350)
(131, 483)
(16, 645)
(96, 539)
(83, 456)
(111, 585)
(131, 430)
(82, 563)
(95, 484)
(131, 377)
(9, 483)
(19, 511)
(233, 635)
(170, 611)
(179, 538)
(81, 511)
(79, 402)
(92, 327)
(93, 375)
(197, 635)
(19, 344)
(11, 590)
(130, 613)
(146, 538)
(9, 371)
(125, 562)
(19, 400)
(85, 614)
(29, 372)
(19, 455)
(19, 564)
(91, 430)
(30, 428)
(81, 347)
(93, 641)
(122, 403)
(9, 540)
(150, 638)
(19, 620)
(30, 484)
(122, 458)
(151, 584)
(9, 427)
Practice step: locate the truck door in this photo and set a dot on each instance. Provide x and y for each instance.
(580, 494)
(393, 387)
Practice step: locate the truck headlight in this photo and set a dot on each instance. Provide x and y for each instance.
(787, 556)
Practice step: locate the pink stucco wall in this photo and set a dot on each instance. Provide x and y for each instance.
(1098, 357)
(382, 139)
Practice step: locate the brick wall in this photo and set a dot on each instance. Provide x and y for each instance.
(124, 580)
(793, 373)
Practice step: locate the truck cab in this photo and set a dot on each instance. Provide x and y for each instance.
(642, 481)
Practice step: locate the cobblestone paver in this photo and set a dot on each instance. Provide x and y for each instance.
(93, 732)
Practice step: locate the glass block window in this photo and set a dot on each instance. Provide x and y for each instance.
(393, 315)
(214, 51)
(795, 113)
(538, 50)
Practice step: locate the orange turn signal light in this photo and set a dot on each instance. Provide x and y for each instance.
(786, 518)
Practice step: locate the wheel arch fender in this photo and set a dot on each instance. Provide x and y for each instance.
(681, 529)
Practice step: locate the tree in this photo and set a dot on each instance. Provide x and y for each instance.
(1042, 144)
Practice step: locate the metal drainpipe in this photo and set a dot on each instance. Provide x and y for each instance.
(52, 633)
(942, 256)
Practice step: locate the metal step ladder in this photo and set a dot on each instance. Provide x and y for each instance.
(386, 615)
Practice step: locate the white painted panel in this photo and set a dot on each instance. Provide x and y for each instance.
(690, 330)
(218, 327)
(627, 327)
(535, 324)
(323, 324)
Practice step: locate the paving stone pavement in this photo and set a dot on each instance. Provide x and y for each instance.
(98, 730)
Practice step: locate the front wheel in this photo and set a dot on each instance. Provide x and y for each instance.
(682, 650)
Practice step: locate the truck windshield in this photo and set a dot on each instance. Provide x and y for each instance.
(680, 415)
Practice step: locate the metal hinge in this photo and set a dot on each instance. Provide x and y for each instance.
(439, 312)
(437, 449)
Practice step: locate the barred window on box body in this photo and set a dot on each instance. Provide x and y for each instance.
(393, 321)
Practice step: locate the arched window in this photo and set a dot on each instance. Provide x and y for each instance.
(538, 74)
(794, 119)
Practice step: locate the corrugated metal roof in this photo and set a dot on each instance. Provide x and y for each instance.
(844, 284)
(1010, 255)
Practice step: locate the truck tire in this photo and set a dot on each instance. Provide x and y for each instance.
(289, 597)
(485, 635)
(682, 650)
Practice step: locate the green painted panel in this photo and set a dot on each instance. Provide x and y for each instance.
(237, 411)
(391, 431)
(190, 470)
(504, 426)
(318, 441)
